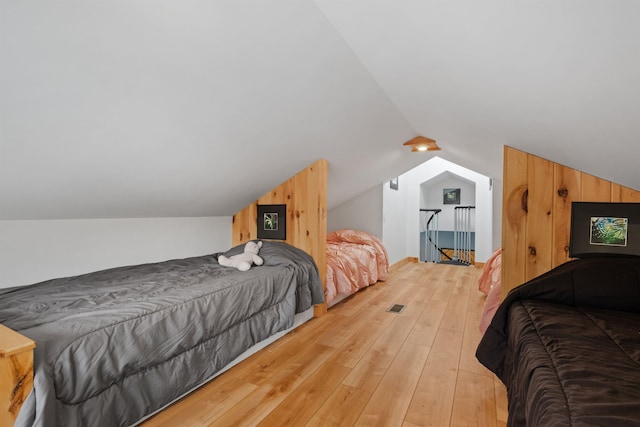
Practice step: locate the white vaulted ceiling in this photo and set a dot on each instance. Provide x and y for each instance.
(195, 108)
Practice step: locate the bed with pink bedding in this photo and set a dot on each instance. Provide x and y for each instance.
(489, 284)
(355, 260)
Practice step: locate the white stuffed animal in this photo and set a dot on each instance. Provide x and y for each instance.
(244, 260)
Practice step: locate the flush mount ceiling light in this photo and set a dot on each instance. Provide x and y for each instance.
(420, 143)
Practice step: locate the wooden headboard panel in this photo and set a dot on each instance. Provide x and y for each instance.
(536, 212)
(305, 195)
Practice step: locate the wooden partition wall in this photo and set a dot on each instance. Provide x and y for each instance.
(305, 195)
(536, 212)
(16, 373)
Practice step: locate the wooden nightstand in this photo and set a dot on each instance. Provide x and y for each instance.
(16, 373)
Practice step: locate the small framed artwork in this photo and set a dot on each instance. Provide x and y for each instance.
(609, 231)
(451, 196)
(393, 184)
(272, 222)
(603, 229)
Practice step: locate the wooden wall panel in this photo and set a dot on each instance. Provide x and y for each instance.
(623, 194)
(539, 223)
(594, 189)
(567, 184)
(16, 373)
(536, 212)
(514, 216)
(244, 226)
(305, 195)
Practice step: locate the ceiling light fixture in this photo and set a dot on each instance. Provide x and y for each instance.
(420, 143)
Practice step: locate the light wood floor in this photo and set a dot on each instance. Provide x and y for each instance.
(360, 365)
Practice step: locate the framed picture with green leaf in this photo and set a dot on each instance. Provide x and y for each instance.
(272, 222)
(604, 229)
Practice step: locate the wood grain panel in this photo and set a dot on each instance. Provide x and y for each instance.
(305, 195)
(514, 194)
(620, 193)
(16, 373)
(550, 188)
(342, 408)
(567, 190)
(594, 189)
(539, 224)
(299, 407)
(245, 226)
(616, 195)
(400, 382)
(467, 410)
(433, 398)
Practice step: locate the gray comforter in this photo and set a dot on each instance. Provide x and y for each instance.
(116, 345)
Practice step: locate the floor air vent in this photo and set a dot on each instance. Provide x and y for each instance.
(396, 308)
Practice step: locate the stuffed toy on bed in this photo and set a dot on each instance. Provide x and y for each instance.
(245, 260)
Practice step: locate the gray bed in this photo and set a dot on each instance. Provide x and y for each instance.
(117, 345)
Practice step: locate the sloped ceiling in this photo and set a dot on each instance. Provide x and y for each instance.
(196, 108)
(559, 79)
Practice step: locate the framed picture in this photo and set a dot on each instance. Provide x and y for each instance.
(451, 196)
(393, 184)
(272, 222)
(600, 229)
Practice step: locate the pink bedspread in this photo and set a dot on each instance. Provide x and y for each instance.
(489, 284)
(355, 259)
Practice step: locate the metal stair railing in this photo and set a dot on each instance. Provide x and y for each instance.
(433, 253)
(462, 234)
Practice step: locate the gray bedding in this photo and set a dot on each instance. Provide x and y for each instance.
(116, 345)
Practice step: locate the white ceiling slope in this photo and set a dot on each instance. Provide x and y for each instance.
(559, 79)
(196, 108)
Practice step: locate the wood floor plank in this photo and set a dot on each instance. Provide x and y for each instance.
(420, 299)
(367, 298)
(445, 288)
(474, 401)
(456, 313)
(426, 327)
(299, 407)
(342, 408)
(342, 329)
(368, 373)
(501, 400)
(258, 404)
(261, 366)
(432, 401)
(206, 404)
(361, 340)
(389, 403)
(472, 335)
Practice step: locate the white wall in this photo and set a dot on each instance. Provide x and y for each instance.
(364, 212)
(401, 226)
(33, 251)
(432, 198)
(394, 232)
